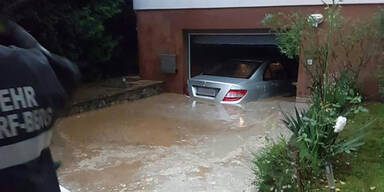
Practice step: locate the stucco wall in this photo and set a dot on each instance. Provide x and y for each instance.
(162, 32)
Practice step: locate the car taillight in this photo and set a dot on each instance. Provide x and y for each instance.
(235, 95)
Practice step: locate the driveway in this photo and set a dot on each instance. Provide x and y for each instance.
(166, 143)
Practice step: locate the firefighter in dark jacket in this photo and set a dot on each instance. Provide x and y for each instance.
(34, 86)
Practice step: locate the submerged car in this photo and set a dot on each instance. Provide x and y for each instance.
(239, 81)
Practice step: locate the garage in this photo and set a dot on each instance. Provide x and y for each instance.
(227, 57)
(197, 33)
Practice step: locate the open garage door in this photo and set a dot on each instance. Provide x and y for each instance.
(208, 50)
(250, 40)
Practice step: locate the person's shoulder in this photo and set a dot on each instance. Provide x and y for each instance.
(20, 56)
(5, 51)
(17, 52)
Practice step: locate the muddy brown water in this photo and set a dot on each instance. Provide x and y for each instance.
(165, 143)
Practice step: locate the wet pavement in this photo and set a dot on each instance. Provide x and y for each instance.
(166, 143)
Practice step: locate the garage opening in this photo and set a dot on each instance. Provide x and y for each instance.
(237, 55)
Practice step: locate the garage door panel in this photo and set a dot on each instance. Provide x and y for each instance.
(234, 40)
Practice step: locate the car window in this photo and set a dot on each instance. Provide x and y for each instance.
(236, 69)
(274, 71)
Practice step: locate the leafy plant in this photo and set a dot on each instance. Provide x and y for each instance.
(314, 134)
(379, 24)
(336, 41)
(273, 168)
(380, 77)
(335, 96)
(289, 30)
(358, 171)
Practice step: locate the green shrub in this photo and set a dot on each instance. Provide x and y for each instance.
(314, 134)
(273, 168)
(380, 78)
(335, 96)
(80, 30)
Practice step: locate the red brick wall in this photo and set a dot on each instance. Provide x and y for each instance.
(161, 32)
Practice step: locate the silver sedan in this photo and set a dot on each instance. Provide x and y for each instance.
(240, 81)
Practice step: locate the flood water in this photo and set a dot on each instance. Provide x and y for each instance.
(165, 143)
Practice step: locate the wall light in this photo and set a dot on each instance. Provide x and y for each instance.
(316, 19)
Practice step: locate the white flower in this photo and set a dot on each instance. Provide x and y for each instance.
(340, 124)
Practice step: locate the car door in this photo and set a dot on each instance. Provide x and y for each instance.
(269, 83)
(279, 78)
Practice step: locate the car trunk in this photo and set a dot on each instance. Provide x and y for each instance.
(212, 87)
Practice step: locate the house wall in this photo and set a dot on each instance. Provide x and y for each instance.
(162, 32)
(198, 4)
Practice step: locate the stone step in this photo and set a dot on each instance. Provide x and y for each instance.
(106, 93)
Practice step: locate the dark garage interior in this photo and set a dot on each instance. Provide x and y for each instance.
(206, 52)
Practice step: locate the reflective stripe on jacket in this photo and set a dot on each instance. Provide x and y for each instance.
(24, 151)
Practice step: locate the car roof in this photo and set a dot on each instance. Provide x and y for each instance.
(249, 60)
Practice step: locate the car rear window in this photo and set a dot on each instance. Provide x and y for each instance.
(235, 69)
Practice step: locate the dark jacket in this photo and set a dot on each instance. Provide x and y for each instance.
(34, 87)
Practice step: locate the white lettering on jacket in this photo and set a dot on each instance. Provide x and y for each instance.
(29, 120)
